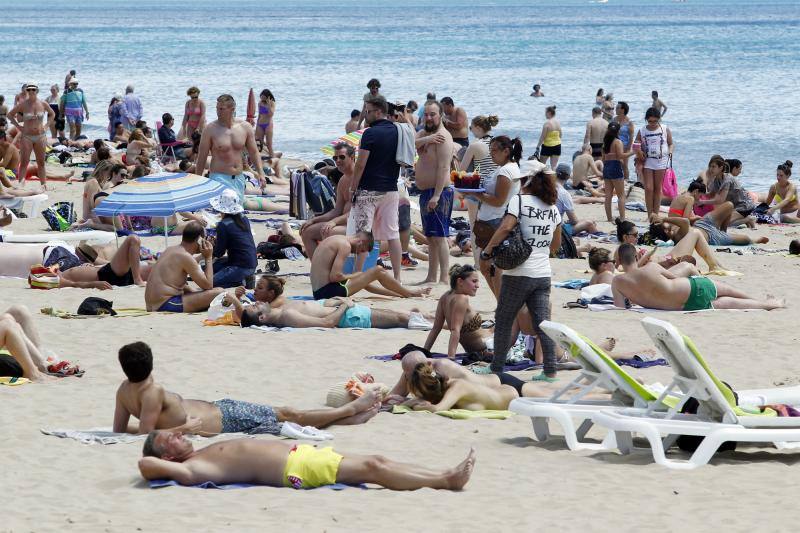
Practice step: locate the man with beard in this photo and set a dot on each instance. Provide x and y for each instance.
(435, 147)
(374, 186)
(334, 222)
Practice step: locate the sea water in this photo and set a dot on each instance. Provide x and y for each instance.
(726, 69)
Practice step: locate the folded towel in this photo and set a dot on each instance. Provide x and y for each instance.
(458, 414)
(575, 283)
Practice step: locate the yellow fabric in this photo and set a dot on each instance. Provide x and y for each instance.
(778, 198)
(13, 382)
(722, 272)
(458, 414)
(308, 467)
(228, 319)
(553, 138)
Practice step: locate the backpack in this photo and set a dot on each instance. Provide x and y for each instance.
(96, 306)
(60, 216)
(568, 250)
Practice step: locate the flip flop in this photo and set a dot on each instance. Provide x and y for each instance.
(543, 377)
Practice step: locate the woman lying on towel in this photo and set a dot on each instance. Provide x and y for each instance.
(434, 392)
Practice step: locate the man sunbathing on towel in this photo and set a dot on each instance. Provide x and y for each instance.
(335, 313)
(157, 408)
(122, 270)
(167, 289)
(654, 287)
(19, 338)
(328, 280)
(170, 455)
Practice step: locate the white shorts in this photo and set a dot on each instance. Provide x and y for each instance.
(376, 212)
(655, 163)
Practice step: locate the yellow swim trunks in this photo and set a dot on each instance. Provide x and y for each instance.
(308, 467)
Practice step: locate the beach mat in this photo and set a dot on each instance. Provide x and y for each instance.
(460, 357)
(94, 435)
(161, 483)
(458, 414)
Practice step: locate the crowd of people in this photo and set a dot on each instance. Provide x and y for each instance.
(523, 215)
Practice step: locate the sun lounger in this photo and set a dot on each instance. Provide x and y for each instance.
(567, 406)
(718, 418)
(30, 205)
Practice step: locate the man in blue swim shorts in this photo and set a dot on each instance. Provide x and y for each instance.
(156, 408)
(226, 138)
(432, 174)
(655, 287)
(167, 288)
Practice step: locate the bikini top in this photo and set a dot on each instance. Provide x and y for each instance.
(264, 110)
(473, 324)
(31, 116)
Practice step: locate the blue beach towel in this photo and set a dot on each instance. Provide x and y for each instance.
(161, 483)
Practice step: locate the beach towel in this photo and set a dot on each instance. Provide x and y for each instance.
(121, 313)
(575, 283)
(458, 414)
(404, 155)
(13, 382)
(642, 361)
(94, 436)
(161, 483)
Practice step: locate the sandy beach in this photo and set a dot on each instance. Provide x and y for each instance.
(53, 484)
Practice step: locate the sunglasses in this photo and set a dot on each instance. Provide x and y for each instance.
(339, 157)
(32, 90)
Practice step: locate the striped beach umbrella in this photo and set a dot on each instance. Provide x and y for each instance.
(160, 195)
(353, 139)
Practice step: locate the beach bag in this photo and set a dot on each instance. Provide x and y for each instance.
(60, 216)
(94, 306)
(42, 277)
(514, 250)
(58, 255)
(483, 233)
(669, 187)
(689, 443)
(320, 195)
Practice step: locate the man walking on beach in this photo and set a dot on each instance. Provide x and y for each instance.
(432, 171)
(374, 188)
(226, 138)
(455, 120)
(133, 108)
(167, 289)
(595, 131)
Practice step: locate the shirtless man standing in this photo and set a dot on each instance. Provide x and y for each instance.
(328, 280)
(226, 138)
(657, 288)
(167, 289)
(124, 269)
(334, 222)
(658, 103)
(168, 454)
(455, 120)
(156, 408)
(595, 131)
(432, 171)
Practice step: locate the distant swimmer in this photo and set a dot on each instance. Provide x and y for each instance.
(537, 91)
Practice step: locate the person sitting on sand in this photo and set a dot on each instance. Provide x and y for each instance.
(683, 204)
(142, 397)
(602, 264)
(565, 205)
(19, 338)
(167, 289)
(170, 455)
(122, 270)
(334, 222)
(328, 280)
(782, 196)
(654, 287)
(584, 167)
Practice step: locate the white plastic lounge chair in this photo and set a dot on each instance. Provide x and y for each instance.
(718, 418)
(30, 205)
(567, 406)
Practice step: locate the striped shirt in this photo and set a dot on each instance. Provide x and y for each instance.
(485, 166)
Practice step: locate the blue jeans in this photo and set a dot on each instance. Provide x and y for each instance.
(228, 276)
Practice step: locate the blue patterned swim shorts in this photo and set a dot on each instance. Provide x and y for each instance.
(245, 417)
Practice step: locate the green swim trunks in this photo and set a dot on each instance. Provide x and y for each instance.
(702, 293)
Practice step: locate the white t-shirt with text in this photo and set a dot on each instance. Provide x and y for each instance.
(538, 221)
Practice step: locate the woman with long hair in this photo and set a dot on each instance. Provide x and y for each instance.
(536, 214)
(477, 156)
(614, 156)
(266, 120)
(655, 152)
(784, 194)
(722, 187)
(499, 187)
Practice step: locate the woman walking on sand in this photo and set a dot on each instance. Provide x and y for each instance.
(655, 149)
